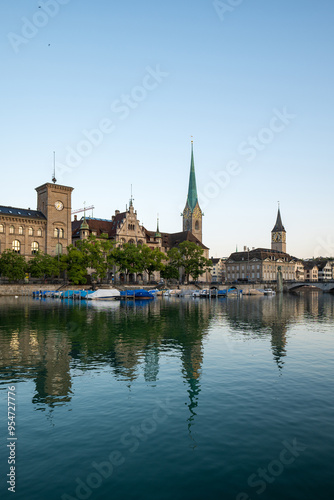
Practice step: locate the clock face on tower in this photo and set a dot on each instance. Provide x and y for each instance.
(197, 213)
(59, 205)
(276, 237)
(186, 213)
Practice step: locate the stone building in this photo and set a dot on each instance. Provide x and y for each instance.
(261, 264)
(218, 270)
(47, 229)
(310, 271)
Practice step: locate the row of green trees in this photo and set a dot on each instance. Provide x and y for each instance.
(103, 257)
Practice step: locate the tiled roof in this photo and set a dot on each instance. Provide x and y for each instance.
(260, 254)
(100, 225)
(22, 212)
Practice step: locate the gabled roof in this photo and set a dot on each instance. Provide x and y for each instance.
(22, 212)
(308, 265)
(169, 240)
(100, 226)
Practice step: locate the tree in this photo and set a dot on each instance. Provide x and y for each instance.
(127, 258)
(151, 260)
(189, 256)
(97, 252)
(75, 262)
(12, 265)
(169, 272)
(42, 265)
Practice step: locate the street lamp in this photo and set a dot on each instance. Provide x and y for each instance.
(58, 232)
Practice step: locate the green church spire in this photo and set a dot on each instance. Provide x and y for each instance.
(192, 190)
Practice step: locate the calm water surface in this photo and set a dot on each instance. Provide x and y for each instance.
(170, 399)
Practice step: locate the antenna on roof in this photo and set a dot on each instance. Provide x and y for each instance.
(54, 180)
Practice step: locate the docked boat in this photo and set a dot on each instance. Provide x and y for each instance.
(269, 291)
(102, 294)
(136, 294)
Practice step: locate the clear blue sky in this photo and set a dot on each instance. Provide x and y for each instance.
(190, 69)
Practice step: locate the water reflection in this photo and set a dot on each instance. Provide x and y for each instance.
(48, 341)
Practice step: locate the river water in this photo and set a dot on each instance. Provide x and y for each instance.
(169, 399)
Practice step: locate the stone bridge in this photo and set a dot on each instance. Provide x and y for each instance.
(325, 286)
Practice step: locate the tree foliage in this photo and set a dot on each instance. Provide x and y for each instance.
(75, 263)
(12, 265)
(43, 265)
(189, 256)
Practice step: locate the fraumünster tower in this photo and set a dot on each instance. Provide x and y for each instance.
(192, 214)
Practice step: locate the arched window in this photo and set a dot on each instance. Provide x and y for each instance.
(30, 231)
(20, 230)
(34, 247)
(59, 231)
(16, 246)
(140, 242)
(1, 228)
(197, 225)
(59, 249)
(131, 242)
(11, 230)
(39, 232)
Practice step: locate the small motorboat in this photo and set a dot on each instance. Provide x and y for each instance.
(111, 294)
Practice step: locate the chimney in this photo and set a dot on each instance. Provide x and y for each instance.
(116, 212)
(75, 217)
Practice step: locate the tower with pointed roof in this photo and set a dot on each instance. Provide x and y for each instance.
(278, 234)
(192, 214)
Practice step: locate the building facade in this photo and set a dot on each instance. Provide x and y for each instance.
(261, 264)
(218, 271)
(47, 229)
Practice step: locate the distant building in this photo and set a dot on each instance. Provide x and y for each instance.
(310, 271)
(325, 270)
(299, 270)
(261, 264)
(218, 270)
